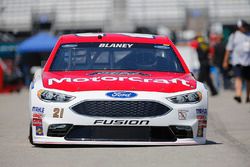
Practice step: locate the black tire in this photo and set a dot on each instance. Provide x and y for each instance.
(30, 136)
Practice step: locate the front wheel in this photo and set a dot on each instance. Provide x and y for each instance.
(31, 135)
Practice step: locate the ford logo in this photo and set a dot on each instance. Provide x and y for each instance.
(121, 94)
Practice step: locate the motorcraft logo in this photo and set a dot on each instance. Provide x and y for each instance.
(121, 94)
(52, 81)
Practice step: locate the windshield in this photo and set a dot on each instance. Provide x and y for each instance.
(116, 56)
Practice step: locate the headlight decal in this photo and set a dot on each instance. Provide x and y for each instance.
(49, 96)
(194, 97)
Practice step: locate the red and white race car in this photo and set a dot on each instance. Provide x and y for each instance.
(120, 88)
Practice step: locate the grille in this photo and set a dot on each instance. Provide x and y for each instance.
(121, 108)
(120, 133)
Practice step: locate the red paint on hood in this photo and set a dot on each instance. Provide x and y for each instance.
(92, 80)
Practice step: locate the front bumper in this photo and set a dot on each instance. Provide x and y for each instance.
(119, 130)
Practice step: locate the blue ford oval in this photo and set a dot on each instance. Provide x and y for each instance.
(121, 94)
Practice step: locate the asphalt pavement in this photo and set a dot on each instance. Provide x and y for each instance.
(228, 142)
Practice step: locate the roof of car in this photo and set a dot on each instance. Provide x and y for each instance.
(114, 37)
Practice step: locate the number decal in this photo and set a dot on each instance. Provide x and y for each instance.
(58, 113)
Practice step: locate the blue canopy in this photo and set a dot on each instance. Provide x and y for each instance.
(41, 42)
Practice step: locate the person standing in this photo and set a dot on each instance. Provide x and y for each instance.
(219, 53)
(238, 47)
(202, 48)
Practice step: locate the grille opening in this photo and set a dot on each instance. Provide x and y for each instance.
(121, 108)
(120, 133)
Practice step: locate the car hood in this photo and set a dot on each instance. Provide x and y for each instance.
(74, 81)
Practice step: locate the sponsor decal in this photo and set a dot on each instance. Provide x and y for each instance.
(182, 114)
(201, 111)
(38, 116)
(52, 81)
(118, 73)
(37, 122)
(202, 123)
(115, 45)
(58, 112)
(161, 47)
(121, 94)
(39, 131)
(37, 119)
(200, 132)
(201, 115)
(121, 122)
(38, 109)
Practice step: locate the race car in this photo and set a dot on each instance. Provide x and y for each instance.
(116, 89)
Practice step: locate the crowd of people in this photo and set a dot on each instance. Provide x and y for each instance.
(231, 59)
